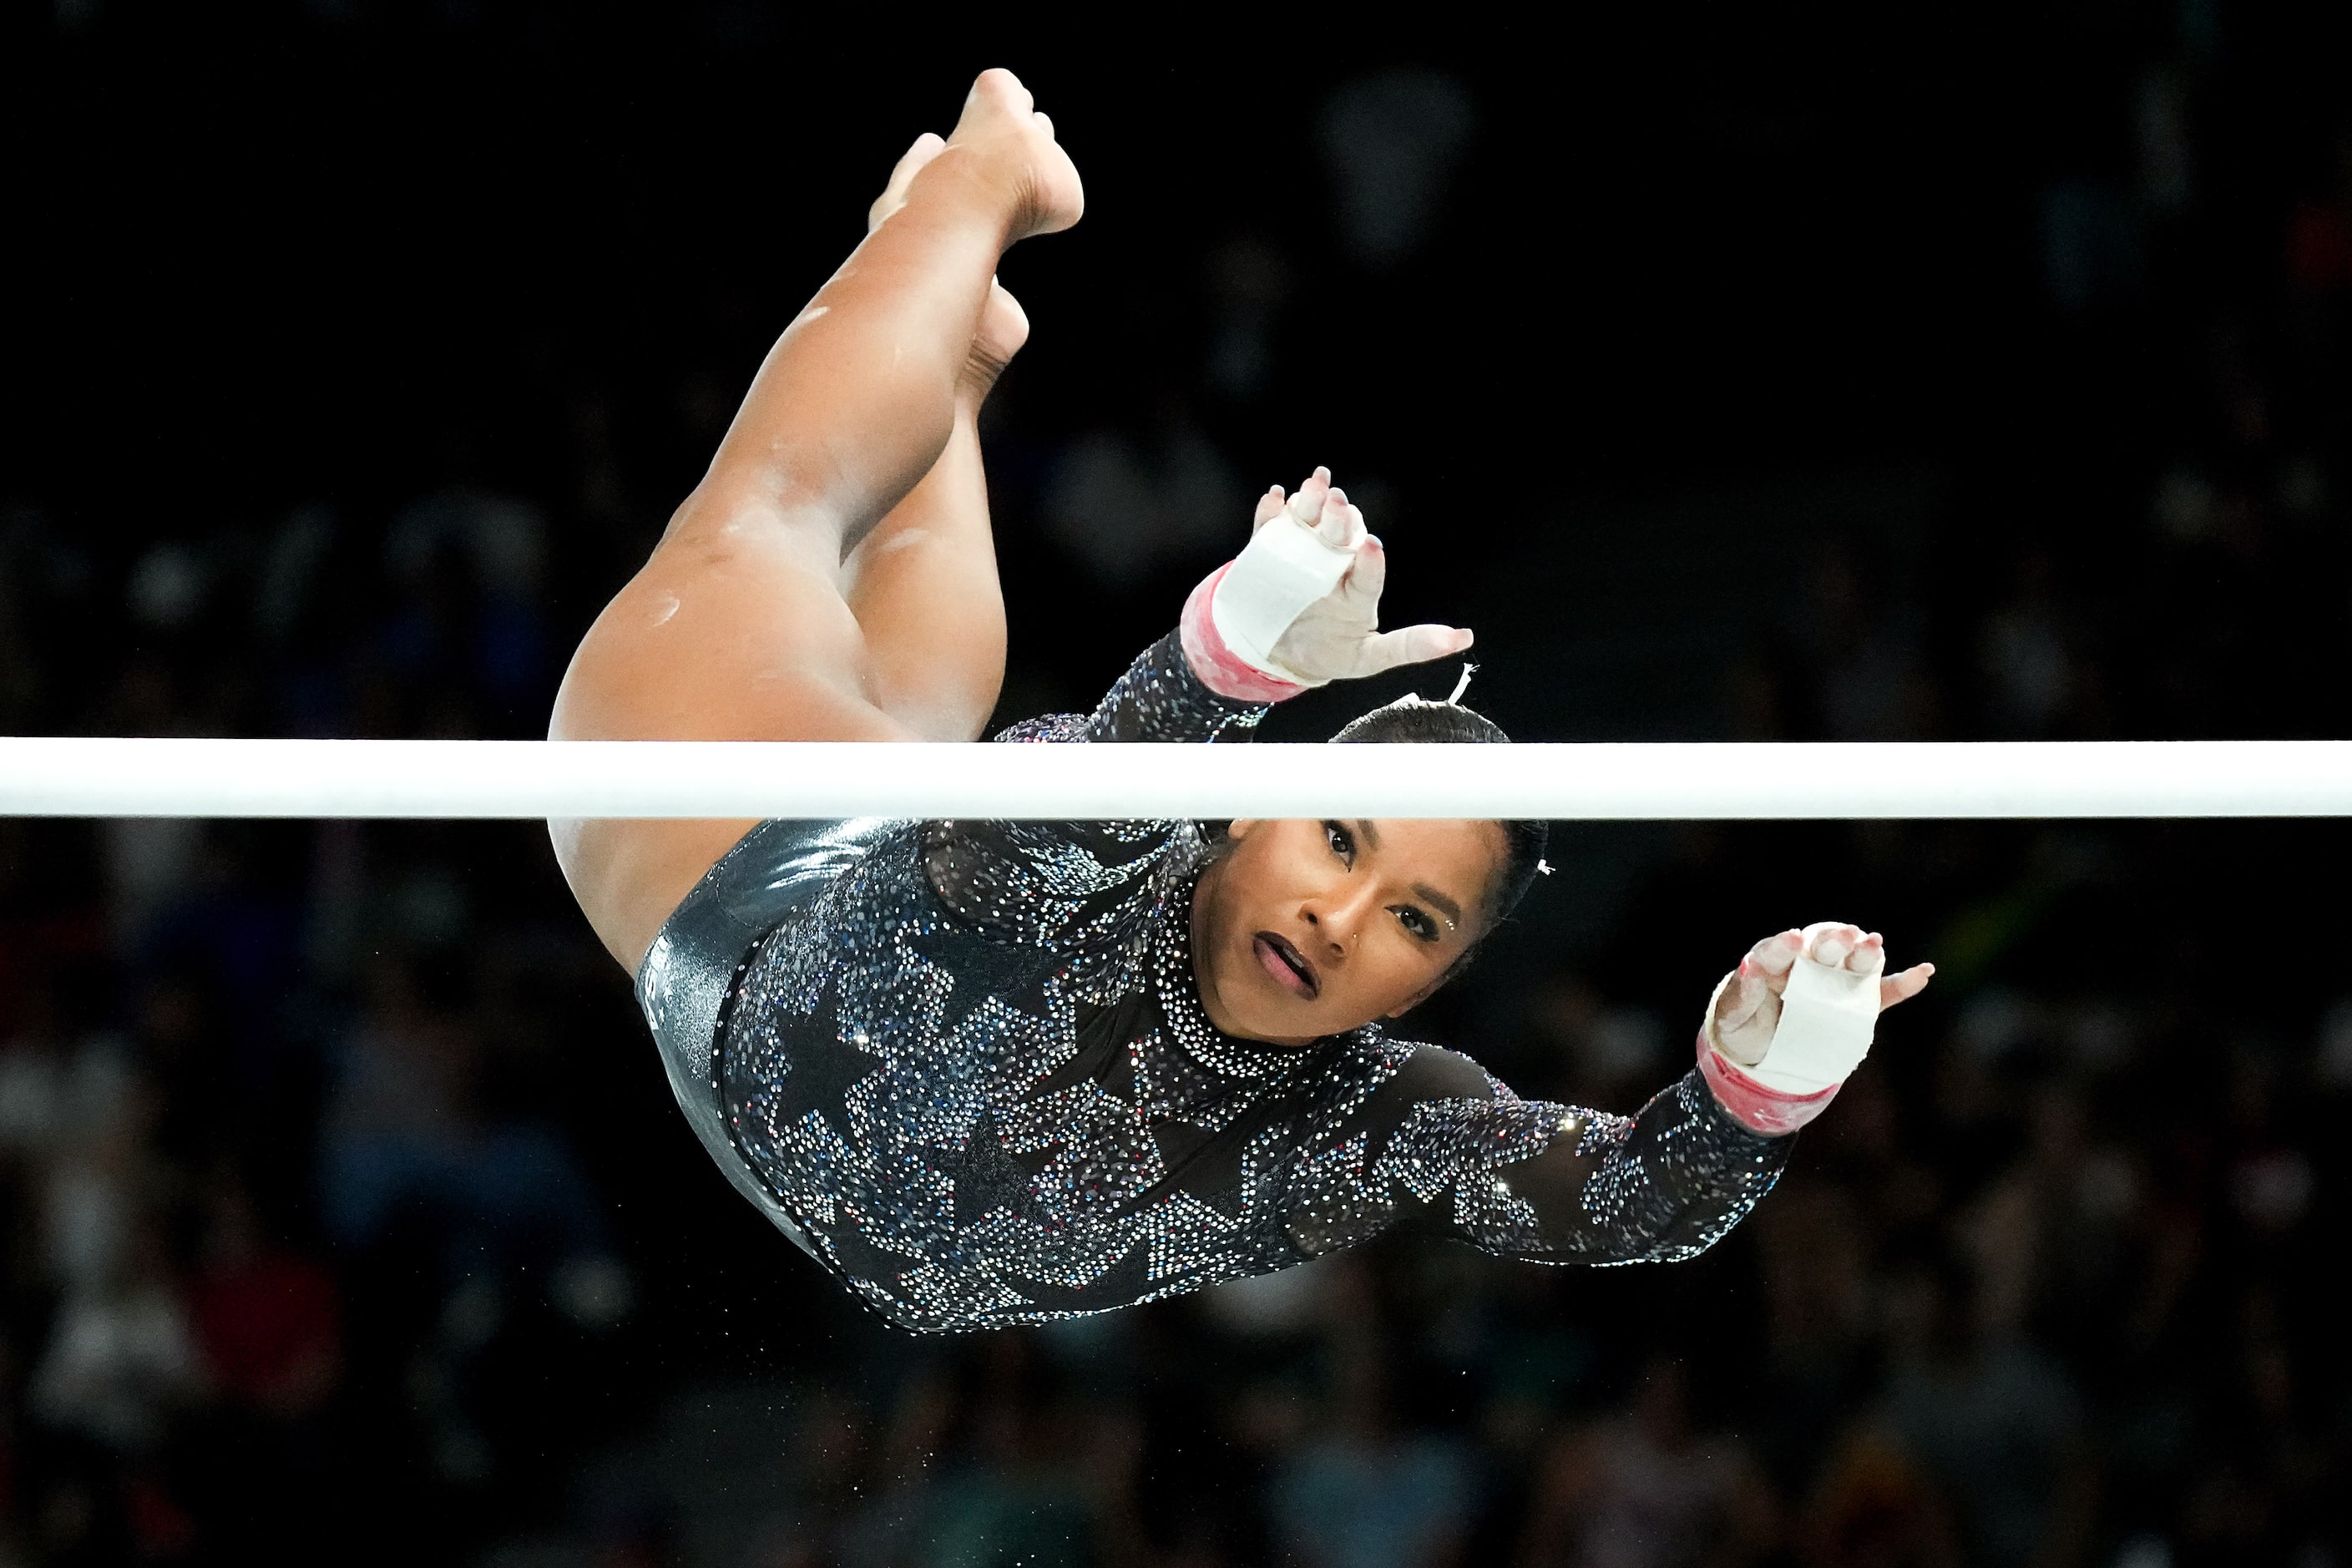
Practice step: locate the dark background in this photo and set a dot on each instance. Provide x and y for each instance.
(1761, 373)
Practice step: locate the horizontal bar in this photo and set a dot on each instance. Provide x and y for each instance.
(174, 777)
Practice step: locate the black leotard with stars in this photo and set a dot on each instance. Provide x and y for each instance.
(966, 1068)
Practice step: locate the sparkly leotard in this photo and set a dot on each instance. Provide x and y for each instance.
(964, 1066)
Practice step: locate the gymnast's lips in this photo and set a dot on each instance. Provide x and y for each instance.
(1286, 964)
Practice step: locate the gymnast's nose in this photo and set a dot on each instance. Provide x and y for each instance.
(1334, 923)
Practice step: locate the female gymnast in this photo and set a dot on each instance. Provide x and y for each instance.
(996, 1072)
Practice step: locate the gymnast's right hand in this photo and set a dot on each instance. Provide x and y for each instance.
(1299, 607)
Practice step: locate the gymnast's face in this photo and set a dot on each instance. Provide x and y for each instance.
(1305, 929)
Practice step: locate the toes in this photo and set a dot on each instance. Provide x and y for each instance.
(999, 87)
(996, 96)
(925, 147)
(902, 174)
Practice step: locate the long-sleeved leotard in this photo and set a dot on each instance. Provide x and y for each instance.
(972, 1075)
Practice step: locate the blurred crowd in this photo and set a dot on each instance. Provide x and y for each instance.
(346, 1213)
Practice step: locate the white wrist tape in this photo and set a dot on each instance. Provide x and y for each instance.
(1827, 1017)
(1285, 568)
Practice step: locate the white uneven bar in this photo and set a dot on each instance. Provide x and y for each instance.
(84, 777)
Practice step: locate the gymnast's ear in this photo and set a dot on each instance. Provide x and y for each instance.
(1239, 827)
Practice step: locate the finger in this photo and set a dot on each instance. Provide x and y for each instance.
(1307, 505)
(1331, 523)
(1869, 956)
(1899, 988)
(1269, 507)
(1741, 999)
(1747, 1016)
(1775, 959)
(1409, 645)
(1369, 575)
(1831, 943)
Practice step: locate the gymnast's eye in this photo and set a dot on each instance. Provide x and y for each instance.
(1342, 842)
(1417, 923)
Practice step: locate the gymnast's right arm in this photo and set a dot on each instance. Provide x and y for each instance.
(1042, 881)
(1298, 607)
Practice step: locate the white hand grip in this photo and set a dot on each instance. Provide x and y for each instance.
(1285, 568)
(1827, 1017)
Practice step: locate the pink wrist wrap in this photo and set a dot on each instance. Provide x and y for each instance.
(1217, 667)
(1755, 1107)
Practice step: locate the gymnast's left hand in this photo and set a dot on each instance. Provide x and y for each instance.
(1300, 604)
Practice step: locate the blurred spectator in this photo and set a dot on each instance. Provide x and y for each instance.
(466, 631)
(1992, 1421)
(404, 1140)
(120, 1356)
(1368, 1492)
(1873, 1509)
(1643, 1489)
(269, 1320)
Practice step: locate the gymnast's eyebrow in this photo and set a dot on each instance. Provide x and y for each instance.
(1367, 832)
(1445, 906)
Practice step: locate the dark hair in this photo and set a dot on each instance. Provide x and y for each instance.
(1416, 719)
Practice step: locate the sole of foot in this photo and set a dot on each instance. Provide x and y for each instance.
(1001, 122)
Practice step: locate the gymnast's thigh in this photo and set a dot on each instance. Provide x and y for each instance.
(733, 631)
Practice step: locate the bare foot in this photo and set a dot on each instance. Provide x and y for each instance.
(1003, 326)
(1001, 124)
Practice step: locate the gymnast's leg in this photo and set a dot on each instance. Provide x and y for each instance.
(826, 581)
(923, 585)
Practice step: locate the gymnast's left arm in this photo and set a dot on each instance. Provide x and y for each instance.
(1558, 1183)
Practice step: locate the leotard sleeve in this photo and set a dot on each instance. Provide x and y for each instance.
(1059, 884)
(1158, 698)
(1444, 1146)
